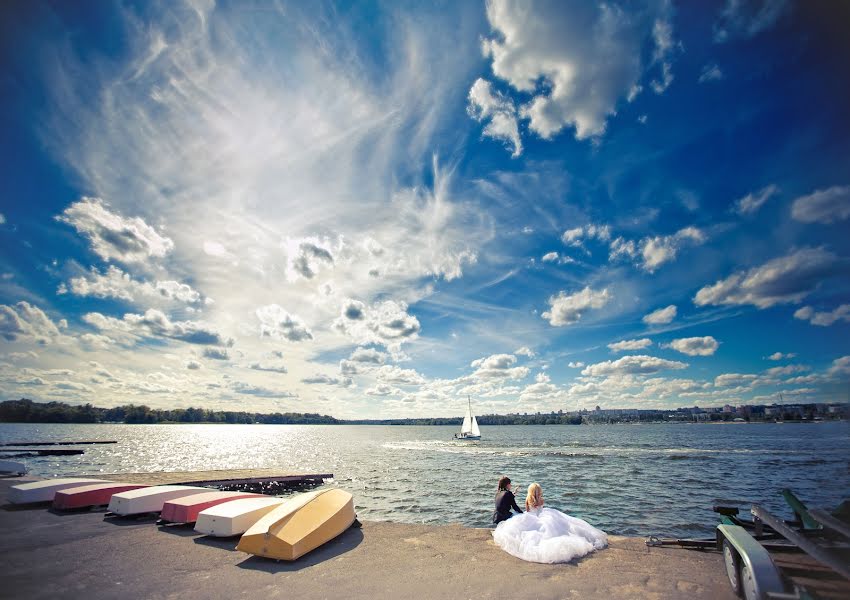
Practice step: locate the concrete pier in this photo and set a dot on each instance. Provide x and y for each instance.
(80, 555)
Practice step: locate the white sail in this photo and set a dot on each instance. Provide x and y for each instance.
(467, 423)
(475, 430)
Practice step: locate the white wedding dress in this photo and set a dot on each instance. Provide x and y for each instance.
(546, 535)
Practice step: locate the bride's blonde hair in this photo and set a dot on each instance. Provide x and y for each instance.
(534, 499)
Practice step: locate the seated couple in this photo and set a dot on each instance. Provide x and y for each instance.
(540, 534)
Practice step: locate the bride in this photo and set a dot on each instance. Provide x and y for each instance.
(546, 535)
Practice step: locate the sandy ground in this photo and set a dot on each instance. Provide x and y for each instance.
(44, 554)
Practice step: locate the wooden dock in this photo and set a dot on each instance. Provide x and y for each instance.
(219, 478)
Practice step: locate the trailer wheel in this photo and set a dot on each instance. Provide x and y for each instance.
(748, 584)
(733, 567)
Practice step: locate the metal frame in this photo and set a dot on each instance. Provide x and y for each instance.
(766, 577)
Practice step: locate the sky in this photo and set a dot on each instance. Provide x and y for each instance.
(379, 209)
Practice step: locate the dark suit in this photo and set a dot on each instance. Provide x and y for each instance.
(504, 503)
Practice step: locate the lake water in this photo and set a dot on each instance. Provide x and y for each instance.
(626, 479)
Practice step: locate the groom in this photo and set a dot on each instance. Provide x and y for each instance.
(505, 501)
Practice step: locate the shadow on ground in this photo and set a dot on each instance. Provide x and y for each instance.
(342, 544)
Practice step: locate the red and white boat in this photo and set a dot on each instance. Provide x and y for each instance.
(45, 490)
(95, 494)
(186, 509)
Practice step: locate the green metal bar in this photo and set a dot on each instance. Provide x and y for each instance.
(800, 510)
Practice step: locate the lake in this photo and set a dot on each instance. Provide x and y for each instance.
(659, 479)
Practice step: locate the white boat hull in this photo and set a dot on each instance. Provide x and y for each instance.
(235, 517)
(44, 491)
(151, 499)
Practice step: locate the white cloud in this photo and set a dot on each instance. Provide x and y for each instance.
(26, 322)
(824, 319)
(154, 323)
(369, 356)
(269, 368)
(113, 237)
(710, 72)
(840, 367)
(638, 364)
(621, 247)
(216, 353)
(588, 57)
(574, 236)
(576, 365)
(655, 251)
(524, 351)
(753, 201)
(741, 19)
(661, 316)
(781, 356)
(662, 35)
(568, 309)
(278, 324)
(695, 346)
(115, 283)
(306, 257)
(485, 103)
(382, 389)
(498, 366)
(399, 376)
(387, 323)
(784, 280)
(625, 345)
(735, 380)
(823, 206)
(786, 370)
(193, 365)
(323, 379)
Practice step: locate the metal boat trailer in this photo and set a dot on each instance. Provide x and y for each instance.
(804, 559)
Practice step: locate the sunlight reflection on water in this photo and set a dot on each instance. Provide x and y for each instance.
(637, 480)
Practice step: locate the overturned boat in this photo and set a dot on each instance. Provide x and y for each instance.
(150, 499)
(94, 494)
(300, 525)
(235, 517)
(12, 467)
(187, 508)
(44, 491)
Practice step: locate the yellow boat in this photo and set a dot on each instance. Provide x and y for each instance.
(300, 525)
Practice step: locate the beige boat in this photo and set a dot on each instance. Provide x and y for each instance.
(300, 525)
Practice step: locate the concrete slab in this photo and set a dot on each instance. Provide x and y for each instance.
(82, 555)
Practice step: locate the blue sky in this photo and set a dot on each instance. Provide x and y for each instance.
(375, 209)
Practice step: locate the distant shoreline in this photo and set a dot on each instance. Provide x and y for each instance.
(27, 411)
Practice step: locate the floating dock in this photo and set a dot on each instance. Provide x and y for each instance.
(218, 478)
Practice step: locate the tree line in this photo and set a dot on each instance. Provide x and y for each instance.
(27, 411)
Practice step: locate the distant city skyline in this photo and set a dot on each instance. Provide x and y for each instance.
(381, 209)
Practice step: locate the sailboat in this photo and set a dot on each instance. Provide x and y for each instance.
(469, 430)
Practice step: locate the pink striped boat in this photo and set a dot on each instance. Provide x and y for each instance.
(95, 494)
(186, 509)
